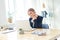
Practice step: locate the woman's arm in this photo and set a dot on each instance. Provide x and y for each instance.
(31, 24)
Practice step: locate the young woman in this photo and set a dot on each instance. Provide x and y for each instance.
(35, 20)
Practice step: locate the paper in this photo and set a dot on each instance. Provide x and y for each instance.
(39, 32)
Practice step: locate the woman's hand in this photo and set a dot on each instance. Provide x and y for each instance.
(35, 17)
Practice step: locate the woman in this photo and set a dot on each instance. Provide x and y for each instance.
(35, 20)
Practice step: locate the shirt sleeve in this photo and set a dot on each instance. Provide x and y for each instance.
(31, 24)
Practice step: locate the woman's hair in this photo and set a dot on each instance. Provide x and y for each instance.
(31, 9)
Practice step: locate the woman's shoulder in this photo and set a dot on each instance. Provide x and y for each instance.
(40, 16)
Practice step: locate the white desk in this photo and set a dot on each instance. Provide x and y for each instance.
(53, 34)
(3, 37)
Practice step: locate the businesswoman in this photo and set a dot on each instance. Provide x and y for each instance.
(35, 20)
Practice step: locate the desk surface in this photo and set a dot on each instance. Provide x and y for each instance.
(51, 34)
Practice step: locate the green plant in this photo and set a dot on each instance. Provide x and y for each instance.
(20, 29)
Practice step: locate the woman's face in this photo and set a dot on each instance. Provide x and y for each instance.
(31, 13)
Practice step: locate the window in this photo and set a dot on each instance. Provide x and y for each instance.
(17, 9)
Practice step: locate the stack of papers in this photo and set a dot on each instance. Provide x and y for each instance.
(6, 31)
(39, 32)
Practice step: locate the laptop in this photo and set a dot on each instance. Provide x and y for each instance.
(24, 24)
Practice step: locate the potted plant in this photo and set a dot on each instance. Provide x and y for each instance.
(21, 31)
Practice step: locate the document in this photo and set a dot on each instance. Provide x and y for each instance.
(39, 32)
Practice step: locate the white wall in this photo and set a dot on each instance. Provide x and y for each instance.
(2, 13)
(54, 8)
(57, 13)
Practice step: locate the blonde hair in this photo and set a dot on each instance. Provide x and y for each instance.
(31, 9)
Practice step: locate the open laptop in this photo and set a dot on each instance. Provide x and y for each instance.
(24, 24)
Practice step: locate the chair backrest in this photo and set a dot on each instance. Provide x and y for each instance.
(45, 26)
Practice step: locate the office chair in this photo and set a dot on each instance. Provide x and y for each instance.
(45, 26)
